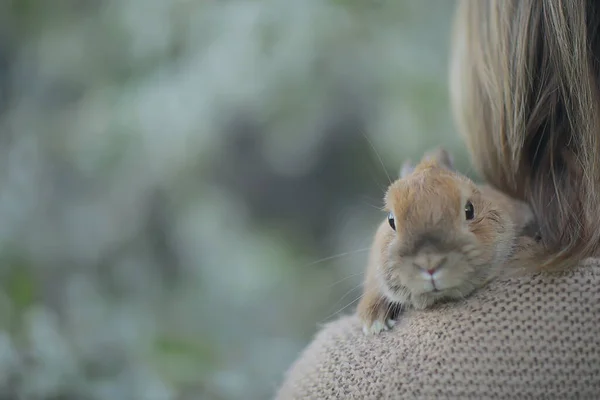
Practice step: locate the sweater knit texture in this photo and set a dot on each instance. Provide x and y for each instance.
(532, 337)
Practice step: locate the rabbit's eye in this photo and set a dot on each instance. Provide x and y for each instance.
(392, 221)
(469, 211)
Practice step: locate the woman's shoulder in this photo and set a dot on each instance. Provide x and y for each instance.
(534, 335)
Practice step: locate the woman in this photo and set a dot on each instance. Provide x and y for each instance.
(526, 98)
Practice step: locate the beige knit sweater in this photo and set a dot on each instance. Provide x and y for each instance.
(531, 337)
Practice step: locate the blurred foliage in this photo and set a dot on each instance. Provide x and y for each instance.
(189, 187)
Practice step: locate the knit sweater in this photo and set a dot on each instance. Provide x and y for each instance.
(528, 337)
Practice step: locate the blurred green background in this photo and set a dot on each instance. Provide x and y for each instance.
(189, 187)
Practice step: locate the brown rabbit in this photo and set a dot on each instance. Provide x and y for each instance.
(443, 238)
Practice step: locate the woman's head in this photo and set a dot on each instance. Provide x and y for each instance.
(526, 98)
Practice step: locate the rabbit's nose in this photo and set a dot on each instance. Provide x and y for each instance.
(431, 263)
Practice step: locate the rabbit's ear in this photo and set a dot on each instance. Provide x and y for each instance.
(442, 157)
(407, 169)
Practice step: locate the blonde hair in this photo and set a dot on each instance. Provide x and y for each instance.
(525, 97)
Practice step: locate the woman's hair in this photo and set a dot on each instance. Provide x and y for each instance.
(526, 98)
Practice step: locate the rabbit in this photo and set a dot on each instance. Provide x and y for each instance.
(443, 238)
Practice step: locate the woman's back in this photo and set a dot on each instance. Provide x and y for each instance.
(535, 337)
